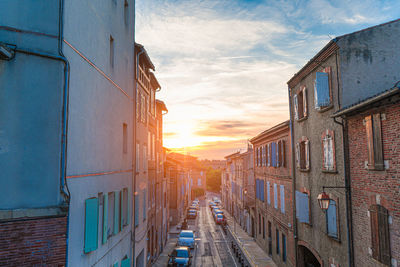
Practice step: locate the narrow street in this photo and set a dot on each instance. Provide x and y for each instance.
(212, 247)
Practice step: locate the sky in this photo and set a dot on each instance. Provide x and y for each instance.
(223, 65)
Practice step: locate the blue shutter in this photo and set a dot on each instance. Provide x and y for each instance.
(117, 200)
(128, 220)
(282, 198)
(126, 263)
(115, 264)
(136, 209)
(91, 224)
(331, 219)
(262, 190)
(321, 90)
(144, 203)
(268, 193)
(122, 218)
(105, 218)
(273, 154)
(275, 196)
(302, 209)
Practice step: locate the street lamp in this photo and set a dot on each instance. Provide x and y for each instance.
(324, 199)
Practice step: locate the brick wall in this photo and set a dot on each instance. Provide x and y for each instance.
(34, 242)
(374, 187)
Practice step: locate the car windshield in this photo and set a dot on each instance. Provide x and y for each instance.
(186, 234)
(182, 253)
(219, 216)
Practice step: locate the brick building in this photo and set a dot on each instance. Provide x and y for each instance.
(273, 186)
(374, 158)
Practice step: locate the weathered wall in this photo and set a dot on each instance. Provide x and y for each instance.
(30, 106)
(368, 186)
(369, 62)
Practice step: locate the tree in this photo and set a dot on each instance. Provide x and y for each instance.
(213, 180)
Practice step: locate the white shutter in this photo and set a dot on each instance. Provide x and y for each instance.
(298, 155)
(326, 160)
(268, 155)
(304, 102)
(330, 152)
(296, 107)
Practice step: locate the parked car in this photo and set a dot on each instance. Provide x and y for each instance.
(216, 200)
(211, 203)
(220, 219)
(186, 238)
(191, 214)
(180, 256)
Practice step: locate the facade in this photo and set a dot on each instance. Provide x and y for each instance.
(60, 72)
(373, 150)
(230, 182)
(249, 224)
(273, 186)
(347, 70)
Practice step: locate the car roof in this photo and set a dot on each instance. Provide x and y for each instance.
(187, 231)
(181, 248)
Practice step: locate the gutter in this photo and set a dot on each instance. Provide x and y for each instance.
(295, 237)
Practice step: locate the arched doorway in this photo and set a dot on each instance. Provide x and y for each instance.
(307, 258)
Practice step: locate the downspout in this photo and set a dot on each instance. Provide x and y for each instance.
(295, 237)
(347, 181)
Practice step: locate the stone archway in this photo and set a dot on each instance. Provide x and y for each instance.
(308, 257)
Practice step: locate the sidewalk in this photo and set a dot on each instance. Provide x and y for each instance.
(256, 255)
(162, 260)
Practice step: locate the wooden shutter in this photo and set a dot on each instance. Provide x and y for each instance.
(383, 232)
(307, 154)
(296, 107)
(91, 224)
(321, 90)
(370, 141)
(298, 155)
(105, 218)
(374, 232)
(378, 151)
(304, 102)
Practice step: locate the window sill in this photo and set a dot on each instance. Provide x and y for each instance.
(304, 170)
(337, 239)
(321, 110)
(330, 171)
(302, 119)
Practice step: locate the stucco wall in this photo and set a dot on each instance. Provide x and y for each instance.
(369, 62)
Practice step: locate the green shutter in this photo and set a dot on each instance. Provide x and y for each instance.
(91, 224)
(126, 263)
(105, 217)
(121, 221)
(115, 264)
(116, 211)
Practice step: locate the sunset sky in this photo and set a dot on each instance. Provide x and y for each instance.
(223, 64)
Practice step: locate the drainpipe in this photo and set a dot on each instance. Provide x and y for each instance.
(295, 237)
(347, 181)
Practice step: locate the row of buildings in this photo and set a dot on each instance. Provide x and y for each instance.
(323, 188)
(85, 179)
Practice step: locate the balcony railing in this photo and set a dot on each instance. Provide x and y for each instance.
(143, 79)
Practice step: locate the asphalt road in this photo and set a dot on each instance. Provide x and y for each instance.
(212, 247)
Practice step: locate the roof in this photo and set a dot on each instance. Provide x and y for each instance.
(324, 53)
(271, 130)
(232, 155)
(140, 48)
(154, 82)
(161, 105)
(370, 100)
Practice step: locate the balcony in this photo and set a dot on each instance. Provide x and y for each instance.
(143, 79)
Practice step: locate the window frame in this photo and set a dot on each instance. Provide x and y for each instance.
(303, 158)
(373, 127)
(300, 104)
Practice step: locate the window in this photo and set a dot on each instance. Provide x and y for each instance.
(269, 155)
(142, 108)
(145, 158)
(266, 155)
(380, 234)
(281, 154)
(282, 198)
(117, 211)
(144, 205)
(125, 207)
(138, 100)
(322, 93)
(261, 183)
(273, 154)
(199, 181)
(264, 160)
(91, 224)
(277, 242)
(275, 196)
(269, 238)
(258, 156)
(283, 247)
(263, 219)
(268, 194)
(374, 141)
(331, 219)
(153, 145)
(136, 209)
(111, 51)
(303, 154)
(302, 207)
(111, 207)
(124, 138)
(137, 157)
(328, 149)
(105, 219)
(300, 103)
(259, 224)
